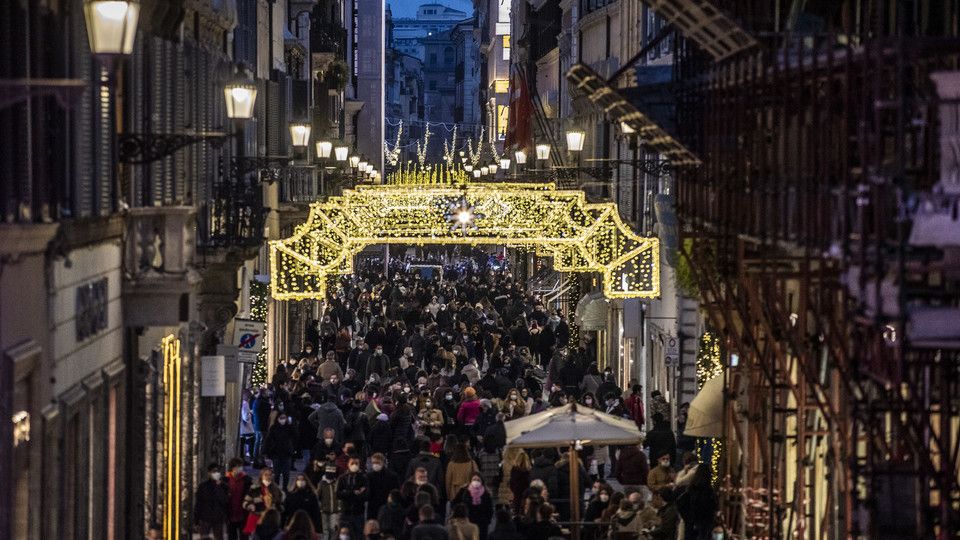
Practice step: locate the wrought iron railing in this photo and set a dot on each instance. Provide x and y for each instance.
(234, 216)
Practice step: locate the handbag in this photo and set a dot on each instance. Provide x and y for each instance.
(251, 525)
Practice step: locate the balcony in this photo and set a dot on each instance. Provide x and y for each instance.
(234, 215)
(158, 259)
(328, 38)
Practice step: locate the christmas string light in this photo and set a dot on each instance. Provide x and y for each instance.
(449, 152)
(473, 156)
(422, 151)
(393, 155)
(579, 236)
(709, 365)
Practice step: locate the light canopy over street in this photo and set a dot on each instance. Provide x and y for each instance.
(485, 269)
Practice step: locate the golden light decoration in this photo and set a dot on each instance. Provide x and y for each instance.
(579, 236)
(172, 435)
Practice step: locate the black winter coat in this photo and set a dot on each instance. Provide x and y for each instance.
(302, 499)
(212, 502)
(347, 487)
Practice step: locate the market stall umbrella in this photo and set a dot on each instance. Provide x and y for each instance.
(571, 426)
(705, 417)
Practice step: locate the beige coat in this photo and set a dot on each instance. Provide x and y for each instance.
(462, 529)
(458, 476)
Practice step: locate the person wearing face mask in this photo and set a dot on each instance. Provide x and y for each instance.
(329, 503)
(212, 503)
(479, 503)
(303, 497)
(330, 367)
(352, 490)
(662, 475)
(280, 446)
(262, 496)
(238, 483)
(381, 482)
(377, 363)
(431, 419)
(595, 507)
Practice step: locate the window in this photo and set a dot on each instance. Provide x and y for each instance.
(448, 56)
(503, 113)
(433, 59)
(506, 47)
(501, 86)
(433, 85)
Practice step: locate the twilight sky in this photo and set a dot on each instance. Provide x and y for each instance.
(408, 8)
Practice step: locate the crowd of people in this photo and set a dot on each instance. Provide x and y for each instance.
(390, 424)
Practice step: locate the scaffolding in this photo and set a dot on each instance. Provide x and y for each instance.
(820, 144)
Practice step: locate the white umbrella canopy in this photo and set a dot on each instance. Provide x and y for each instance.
(705, 417)
(562, 426)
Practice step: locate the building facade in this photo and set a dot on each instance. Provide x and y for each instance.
(134, 213)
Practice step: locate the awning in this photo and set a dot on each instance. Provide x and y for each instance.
(591, 311)
(571, 423)
(705, 417)
(618, 109)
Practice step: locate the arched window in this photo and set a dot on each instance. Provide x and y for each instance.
(448, 56)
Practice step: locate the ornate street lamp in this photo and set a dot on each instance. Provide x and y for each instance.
(484, 170)
(354, 161)
(575, 140)
(362, 166)
(493, 168)
(504, 163)
(300, 134)
(111, 26)
(340, 153)
(543, 151)
(240, 98)
(468, 167)
(476, 173)
(323, 149)
(521, 157)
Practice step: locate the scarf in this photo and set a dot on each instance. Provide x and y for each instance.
(475, 492)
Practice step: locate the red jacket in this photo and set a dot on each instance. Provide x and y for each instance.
(468, 412)
(632, 466)
(634, 405)
(238, 486)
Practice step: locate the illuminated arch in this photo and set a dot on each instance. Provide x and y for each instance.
(580, 236)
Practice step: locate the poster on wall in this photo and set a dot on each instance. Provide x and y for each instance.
(212, 376)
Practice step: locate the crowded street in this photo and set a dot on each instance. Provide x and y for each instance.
(389, 423)
(479, 270)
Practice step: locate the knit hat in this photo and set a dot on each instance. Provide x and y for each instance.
(469, 392)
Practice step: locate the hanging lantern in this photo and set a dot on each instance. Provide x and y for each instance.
(493, 168)
(300, 134)
(324, 148)
(543, 151)
(111, 26)
(340, 153)
(504, 163)
(575, 140)
(354, 161)
(521, 157)
(240, 98)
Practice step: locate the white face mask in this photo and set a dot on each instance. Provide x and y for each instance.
(215, 475)
(474, 484)
(328, 441)
(301, 483)
(267, 482)
(604, 497)
(354, 468)
(664, 463)
(344, 537)
(377, 467)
